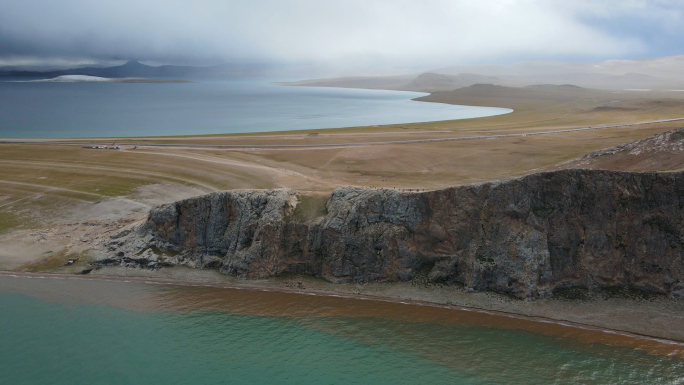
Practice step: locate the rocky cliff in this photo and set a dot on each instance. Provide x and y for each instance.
(525, 237)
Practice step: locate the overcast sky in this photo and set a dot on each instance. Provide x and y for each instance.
(399, 33)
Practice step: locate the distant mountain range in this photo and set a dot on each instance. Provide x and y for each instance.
(658, 67)
(435, 81)
(658, 73)
(135, 69)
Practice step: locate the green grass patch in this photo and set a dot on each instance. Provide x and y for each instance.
(58, 262)
(49, 263)
(572, 294)
(158, 251)
(629, 293)
(677, 136)
(310, 207)
(10, 221)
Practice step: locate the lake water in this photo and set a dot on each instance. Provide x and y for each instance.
(50, 110)
(77, 331)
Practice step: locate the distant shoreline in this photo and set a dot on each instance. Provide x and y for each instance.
(98, 79)
(90, 141)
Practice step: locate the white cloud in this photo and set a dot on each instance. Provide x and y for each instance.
(395, 32)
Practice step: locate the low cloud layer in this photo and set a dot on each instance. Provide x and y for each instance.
(406, 33)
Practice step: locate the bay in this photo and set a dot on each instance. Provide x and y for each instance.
(76, 110)
(79, 331)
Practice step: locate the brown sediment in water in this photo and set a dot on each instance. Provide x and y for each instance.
(268, 301)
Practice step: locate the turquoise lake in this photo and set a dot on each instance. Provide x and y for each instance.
(76, 331)
(51, 110)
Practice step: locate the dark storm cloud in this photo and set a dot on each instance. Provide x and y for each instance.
(381, 32)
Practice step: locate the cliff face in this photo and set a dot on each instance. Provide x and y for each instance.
(524, 237)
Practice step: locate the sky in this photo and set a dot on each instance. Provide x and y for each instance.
(353, 33)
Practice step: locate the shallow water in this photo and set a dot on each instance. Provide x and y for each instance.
(71, 331)
(50, 110)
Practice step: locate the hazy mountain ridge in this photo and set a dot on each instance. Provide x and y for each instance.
(367, 82)
(661, 67)
(431, 81)
(136, 69)
(657, 73)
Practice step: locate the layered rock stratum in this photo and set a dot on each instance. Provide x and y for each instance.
(525, 237)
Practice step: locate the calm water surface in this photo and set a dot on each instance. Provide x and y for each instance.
(74, 331)
(49, 110)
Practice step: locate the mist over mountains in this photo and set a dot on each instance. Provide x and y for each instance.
(136, 69)
(656, 73)
(609, 74)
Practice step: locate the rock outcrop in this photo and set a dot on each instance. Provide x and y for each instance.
(662, 152)
(525, 237)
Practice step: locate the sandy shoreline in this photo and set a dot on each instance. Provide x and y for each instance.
(538, 316)
(123, 142)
